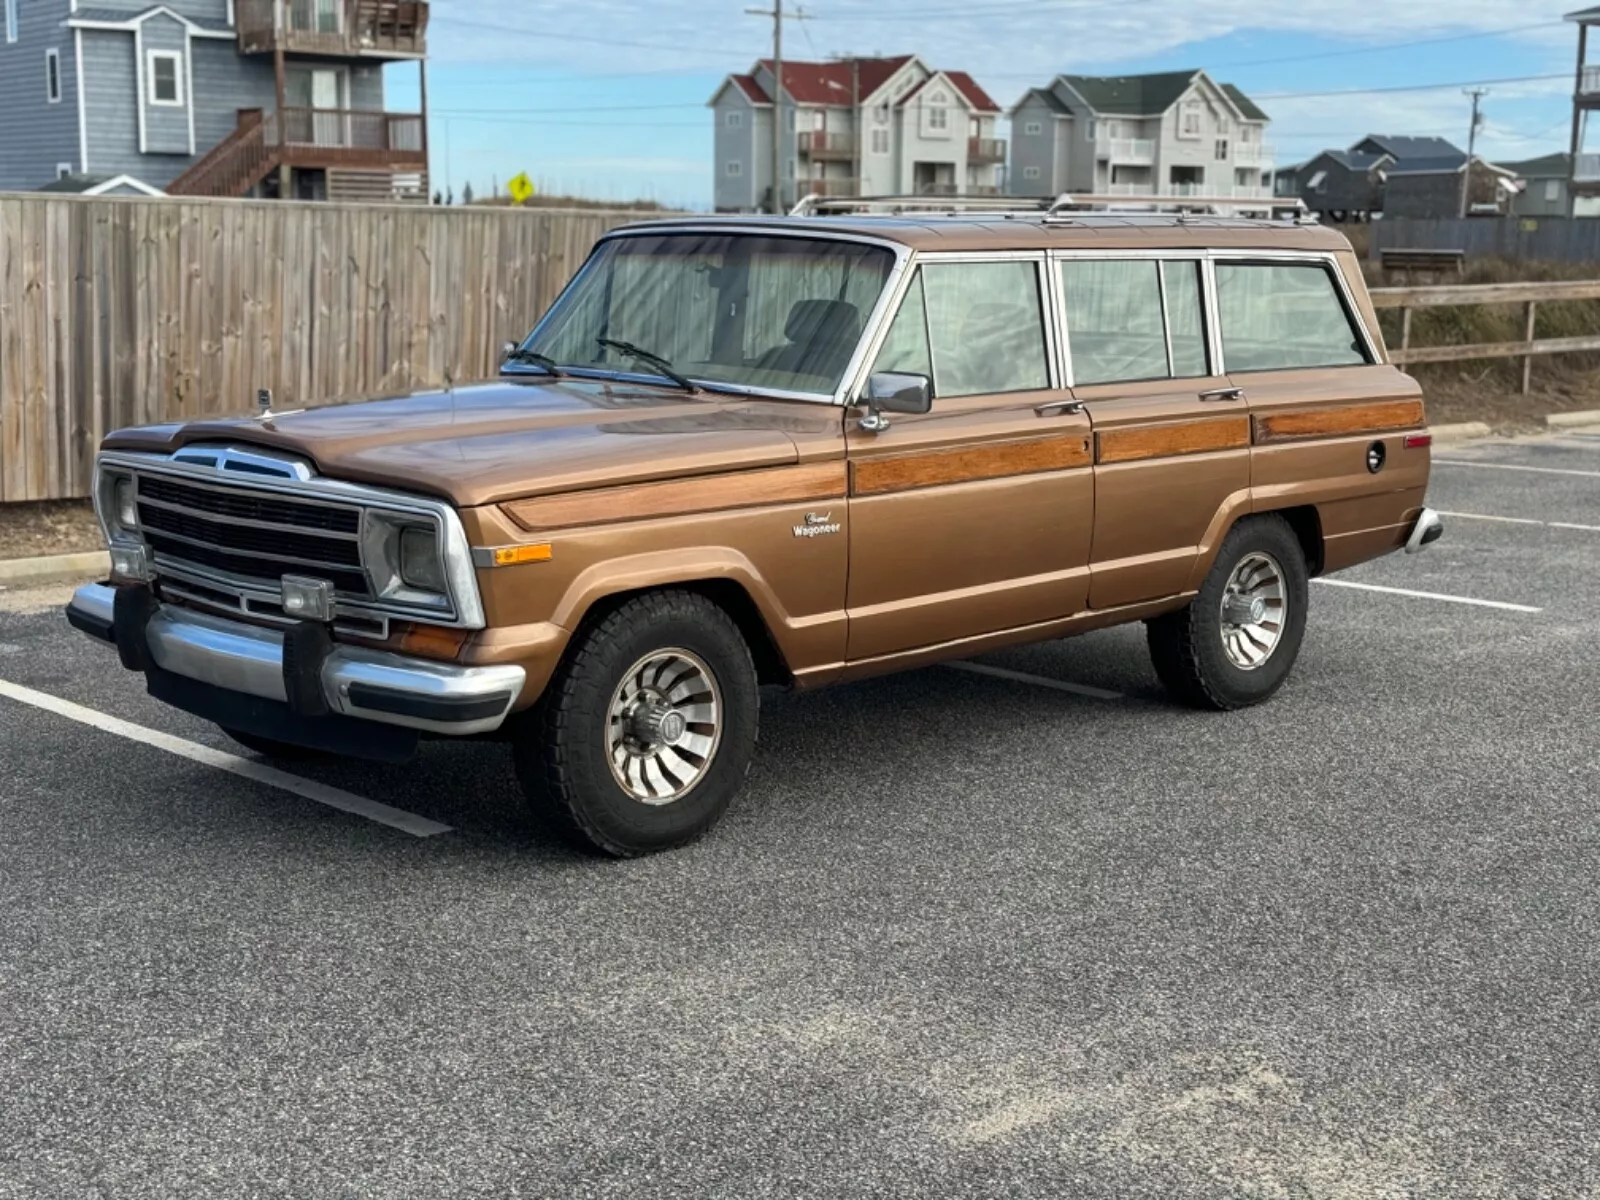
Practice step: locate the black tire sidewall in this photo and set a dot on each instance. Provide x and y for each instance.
(1232, 685)
(602, 808)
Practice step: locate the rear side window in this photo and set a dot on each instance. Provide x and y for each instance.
(975, 328)
(1133, 319)
(1278, 316)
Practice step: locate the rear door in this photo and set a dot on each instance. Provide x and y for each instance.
(1330, 417)
(975, 516)
(1171, 435)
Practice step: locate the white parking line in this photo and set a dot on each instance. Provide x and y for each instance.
(1457, 462)
(259, 772)
(1520, 521)
(1077, 689)
(1394, 591)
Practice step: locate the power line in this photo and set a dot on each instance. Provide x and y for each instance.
(1410, 87)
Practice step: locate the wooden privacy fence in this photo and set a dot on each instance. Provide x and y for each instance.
(1408, 299)
(119, 312)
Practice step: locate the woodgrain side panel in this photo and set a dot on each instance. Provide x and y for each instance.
(1340, 421)
(903, 472)
(677, 497)
(1231, 432)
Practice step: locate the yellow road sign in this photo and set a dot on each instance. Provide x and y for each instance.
(521, 188)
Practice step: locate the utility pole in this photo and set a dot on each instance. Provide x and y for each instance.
(858, 126)
(776, 13)
(1477, 95)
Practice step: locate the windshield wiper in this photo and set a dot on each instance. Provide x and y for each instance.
(549, 364)
(655, 360)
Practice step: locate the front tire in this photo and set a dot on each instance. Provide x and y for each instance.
(1235, 643)
(646, 732)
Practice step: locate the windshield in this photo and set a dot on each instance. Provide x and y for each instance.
(777, 313)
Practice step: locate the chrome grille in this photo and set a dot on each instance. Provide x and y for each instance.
(251, 538)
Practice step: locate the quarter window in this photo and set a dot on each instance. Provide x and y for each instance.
(1278, 316)
(1186, 325)
(981, 329)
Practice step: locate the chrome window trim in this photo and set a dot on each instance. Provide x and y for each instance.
(850, 381)
(1208, 275)
(1341, 288)
(466, 604)
(1059, 256)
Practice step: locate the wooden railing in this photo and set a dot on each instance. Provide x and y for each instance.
(330, 136)
(986, 150)
(234, 165)
(1529, 295)
(817, 144)
(340, 27)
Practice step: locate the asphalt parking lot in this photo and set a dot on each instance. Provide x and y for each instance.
(965, 935)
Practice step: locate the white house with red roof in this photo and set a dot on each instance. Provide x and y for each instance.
(855, 127)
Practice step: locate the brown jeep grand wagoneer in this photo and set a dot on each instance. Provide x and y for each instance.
(792, 451)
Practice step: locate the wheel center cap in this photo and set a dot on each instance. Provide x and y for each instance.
(671, 727)
(1246, 610)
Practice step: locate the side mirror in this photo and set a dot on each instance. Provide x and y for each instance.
(897, 392)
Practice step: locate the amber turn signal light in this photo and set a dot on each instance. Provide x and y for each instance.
(511, 556)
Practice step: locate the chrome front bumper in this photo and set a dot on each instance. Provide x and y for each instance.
(1428, 529)
(370, 685)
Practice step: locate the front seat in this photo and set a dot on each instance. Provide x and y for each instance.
(822, 334)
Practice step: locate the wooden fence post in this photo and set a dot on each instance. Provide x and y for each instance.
(1405, 331)
(1527, 359)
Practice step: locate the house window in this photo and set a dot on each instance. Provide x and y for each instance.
(11, 20)
(1191, 121)
(1030, 172)
(166, 86)
(733, 119)
(880, 141)
(1033, 128)
(735, 168)
(52, 75)
(1552, 190)
(1314, 184)
(63, 170)
(881, 114)
(1089, 130)
(938, 118)
(1222, 149)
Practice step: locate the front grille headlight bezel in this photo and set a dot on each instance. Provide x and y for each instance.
(108, 483)
(383, 513)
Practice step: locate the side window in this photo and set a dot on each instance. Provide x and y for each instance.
(905, 348)
(986, 327)
(1278, 316)
(1186, 325)
(1114, 325)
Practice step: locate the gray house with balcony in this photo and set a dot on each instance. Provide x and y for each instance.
(854, 127)
(1178, 133)
(212, 97)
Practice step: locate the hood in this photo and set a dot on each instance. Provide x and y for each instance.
(511, 439)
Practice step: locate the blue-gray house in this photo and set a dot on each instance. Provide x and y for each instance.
(213, 97)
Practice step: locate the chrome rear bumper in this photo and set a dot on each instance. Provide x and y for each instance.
(1428, 529)
(370, 685)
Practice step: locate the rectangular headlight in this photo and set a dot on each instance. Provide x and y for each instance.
(420, 564)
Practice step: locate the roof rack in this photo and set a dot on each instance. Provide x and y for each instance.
(1060, 209)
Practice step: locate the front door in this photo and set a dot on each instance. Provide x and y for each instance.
(974, 517)
(1172, 437)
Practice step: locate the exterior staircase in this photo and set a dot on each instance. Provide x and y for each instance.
(235, 164)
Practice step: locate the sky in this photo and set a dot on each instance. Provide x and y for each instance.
(607, 99)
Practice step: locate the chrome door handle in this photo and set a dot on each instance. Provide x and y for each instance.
(1059, 406)
(1225, 393)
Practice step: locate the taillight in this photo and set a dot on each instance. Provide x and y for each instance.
(1418, 441)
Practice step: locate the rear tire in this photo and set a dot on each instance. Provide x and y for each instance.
(1235, 643)
(268, 748)
(646, 732)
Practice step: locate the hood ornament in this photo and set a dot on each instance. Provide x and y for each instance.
(264, 412)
